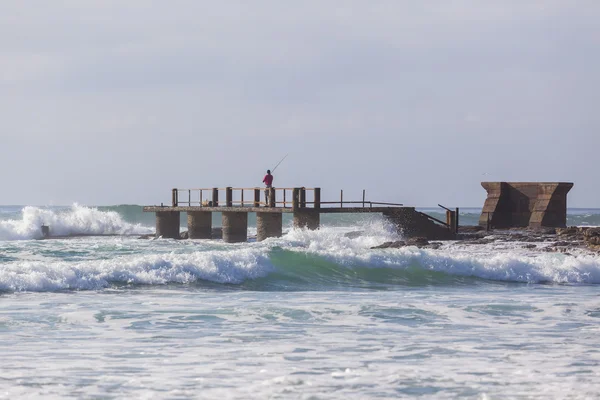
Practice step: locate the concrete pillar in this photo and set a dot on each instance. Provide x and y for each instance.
(268, 225)
(307, 218)
(167, 224)
(199, 224)
(235, 226)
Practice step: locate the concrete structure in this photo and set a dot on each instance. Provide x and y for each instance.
(306, 213)
(235, 226)
(167, 224)
(199, 224)
(525, 204)
(307, 218)
(412, 223)
(268, 225)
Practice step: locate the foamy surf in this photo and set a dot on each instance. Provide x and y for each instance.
(76, 220)
(301, 260)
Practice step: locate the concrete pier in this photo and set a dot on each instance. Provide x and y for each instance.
(235, 226)
(167, 224)
(199, 224)
(411, 223)
(268, 225)
(307, 218)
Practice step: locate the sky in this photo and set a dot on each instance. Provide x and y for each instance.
(116, 102)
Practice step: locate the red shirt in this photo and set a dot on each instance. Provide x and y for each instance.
(268, 180)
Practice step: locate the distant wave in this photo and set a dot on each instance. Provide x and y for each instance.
(75, 220)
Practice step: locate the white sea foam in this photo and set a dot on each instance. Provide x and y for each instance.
(221, 266)
(76, 220)
(97, 263)
(510, 263)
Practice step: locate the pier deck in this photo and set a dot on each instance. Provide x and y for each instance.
(306, 212)
(280, 210)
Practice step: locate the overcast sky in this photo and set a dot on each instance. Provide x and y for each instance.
(112, 102)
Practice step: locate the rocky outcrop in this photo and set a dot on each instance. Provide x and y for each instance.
(419, 242)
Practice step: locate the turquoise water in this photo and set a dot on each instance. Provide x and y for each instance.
(310, 315)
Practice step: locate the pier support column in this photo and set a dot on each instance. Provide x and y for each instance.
(199, 224)
(307, 218)
(235, 226)
(268, 225)
(167, 224)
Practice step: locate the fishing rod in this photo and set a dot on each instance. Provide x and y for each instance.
(273, 170)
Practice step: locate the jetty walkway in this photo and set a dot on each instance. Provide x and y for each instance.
(270, 204)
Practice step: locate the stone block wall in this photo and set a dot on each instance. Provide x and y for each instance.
(525, 204)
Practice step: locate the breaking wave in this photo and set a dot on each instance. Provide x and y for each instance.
(328, 259)
(75, 220)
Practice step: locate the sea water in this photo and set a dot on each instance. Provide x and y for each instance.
(310, 315)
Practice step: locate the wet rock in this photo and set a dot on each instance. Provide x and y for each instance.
(478, 241)
(184, 235)
(390, 245)
(417, 241)
(529, 246)
(147, 236)
(354, 235)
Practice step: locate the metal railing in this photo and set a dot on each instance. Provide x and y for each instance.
(265, 197)
(244, 197)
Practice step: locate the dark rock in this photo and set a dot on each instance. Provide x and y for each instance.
(147, 236)
(529, 246)
(354, 235)
(470, 229)
(477, 241)
(184, 235)
(390, 245)
(561, 243)
(417, 241)
(594, 240)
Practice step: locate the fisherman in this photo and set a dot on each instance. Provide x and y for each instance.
(268, 181)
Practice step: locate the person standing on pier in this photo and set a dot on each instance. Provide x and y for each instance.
(268, 181)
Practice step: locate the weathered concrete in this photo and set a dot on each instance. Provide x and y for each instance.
(307, 218)
(525, 204)
(199, 224)
(268, 225)
(411, 223)
(167, 224)
(235, 227)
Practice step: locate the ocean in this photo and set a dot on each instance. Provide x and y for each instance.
(310, 315)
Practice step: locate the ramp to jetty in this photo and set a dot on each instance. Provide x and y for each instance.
(270, 204)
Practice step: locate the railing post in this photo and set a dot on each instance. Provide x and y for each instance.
(295, 199)
(272, 197)
(256, 197)
(363, 198)
(215, 197)
(317, 198)
(189, 197)
(341, 198)
(228, 197)
(174, 199)
(303, 197)
(456, 221)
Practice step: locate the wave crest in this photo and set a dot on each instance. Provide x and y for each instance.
(76, 220)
